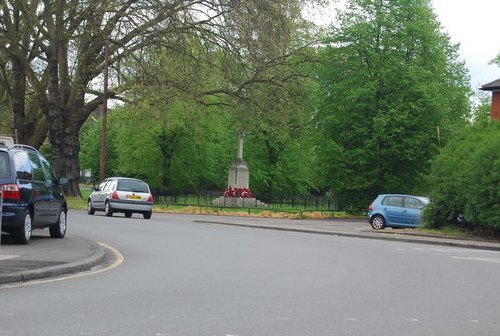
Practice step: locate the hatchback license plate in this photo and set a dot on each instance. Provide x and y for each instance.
(134, 197)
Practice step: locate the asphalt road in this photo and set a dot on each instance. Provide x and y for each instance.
(181, 277)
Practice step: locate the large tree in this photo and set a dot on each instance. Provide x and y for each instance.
(392, 92)
(56, 51)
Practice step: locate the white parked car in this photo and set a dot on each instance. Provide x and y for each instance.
(121, 194)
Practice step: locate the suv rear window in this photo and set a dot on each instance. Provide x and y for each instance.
(4, 165)
(38, 174)
(130, 185)
(23, 166)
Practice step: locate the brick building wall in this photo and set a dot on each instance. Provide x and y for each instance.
(495, 106)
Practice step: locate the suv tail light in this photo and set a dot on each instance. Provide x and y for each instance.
(115, 195)
(150, 198)
(11, 191)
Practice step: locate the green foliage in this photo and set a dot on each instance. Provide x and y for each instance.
(389, 81)
(482, 109)
(90, 139)
(174, 146)
(184, 143)
(280, 148)
(90, 149)
(465, 180)
(184, 146)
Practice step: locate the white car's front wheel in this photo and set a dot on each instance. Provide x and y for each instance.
(90, 208)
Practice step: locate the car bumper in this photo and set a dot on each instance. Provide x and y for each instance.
(13, 215)
(133, 206)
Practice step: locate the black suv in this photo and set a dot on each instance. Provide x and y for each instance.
(33, 197)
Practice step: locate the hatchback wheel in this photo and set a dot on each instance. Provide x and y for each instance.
(377, 222)
(90, 208)
(108, 211)
(128, 214)
(147, 215)
(58, 230)
(23, 235)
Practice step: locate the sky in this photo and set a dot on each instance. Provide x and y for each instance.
(474, 25)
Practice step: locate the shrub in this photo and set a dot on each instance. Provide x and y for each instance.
(465, 180)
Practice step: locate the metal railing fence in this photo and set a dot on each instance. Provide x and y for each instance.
(207, 198)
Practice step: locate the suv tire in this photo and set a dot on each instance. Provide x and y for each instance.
(58, 230)
(23, 234)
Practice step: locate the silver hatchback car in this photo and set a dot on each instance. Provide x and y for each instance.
(121, 194)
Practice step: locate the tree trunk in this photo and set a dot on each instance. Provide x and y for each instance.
(18, 101)
(63, 134)
(65, 157)
(28, 120)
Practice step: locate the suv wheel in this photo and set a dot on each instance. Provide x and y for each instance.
(23, 235)
(377, 222)
(107, 209)
(90, 208)
(58, 230)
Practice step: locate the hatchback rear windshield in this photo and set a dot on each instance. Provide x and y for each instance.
(130, 185)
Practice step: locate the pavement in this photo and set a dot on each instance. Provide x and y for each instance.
(46, 258)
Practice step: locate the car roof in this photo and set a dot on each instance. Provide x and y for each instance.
(400, 195)
(17, 147)
(405, 195)
(123, 178)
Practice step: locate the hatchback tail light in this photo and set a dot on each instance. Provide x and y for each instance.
(115, 195)
(11, 191)
(150, 198)
(371, 207)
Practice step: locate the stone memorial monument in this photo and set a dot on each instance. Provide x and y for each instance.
(238, 173)
(238, 193)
